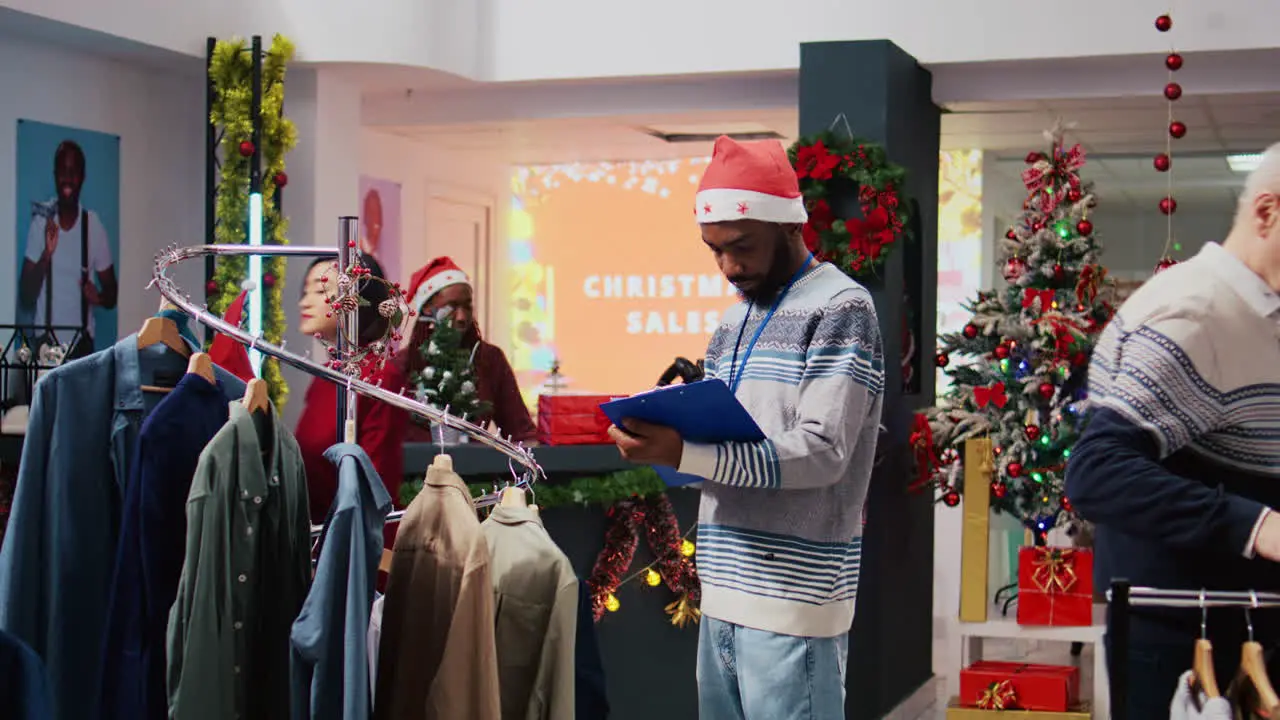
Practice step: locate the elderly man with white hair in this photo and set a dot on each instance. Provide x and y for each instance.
(1180, 464)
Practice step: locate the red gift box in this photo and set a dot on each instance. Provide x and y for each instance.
(993, 685)
(573, 420)
(1055, 586)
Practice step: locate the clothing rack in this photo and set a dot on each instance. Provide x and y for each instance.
(515, 452)
(1123, 597)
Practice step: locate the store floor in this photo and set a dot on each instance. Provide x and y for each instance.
(1014, 650)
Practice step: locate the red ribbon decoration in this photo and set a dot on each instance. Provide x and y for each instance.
(999, 696)
(1048, 180)
(922, 447)
(1087, 286)
(1054, 569)
(993, 395)
(1029, 296)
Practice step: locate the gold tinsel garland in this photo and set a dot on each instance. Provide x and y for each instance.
(231, 70)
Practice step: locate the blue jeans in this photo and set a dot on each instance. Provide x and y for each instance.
(746, 674)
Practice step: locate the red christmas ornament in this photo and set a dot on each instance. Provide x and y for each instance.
(1084, 227)
(1037, 225)
(1014, 269)
(1046, 390)
(351, 243)
(1173, 91)
(971, 331)
(1033, 432)
(1164, 23)
(999, 489)
(1058, 270)
(1014, 469)
(281, 179)
(211, 287)
(269, 280)
(1034, 157)
(1066, 504)
(1162, 162)
(951, 498)
(1079, 359)
(1165, 263)
(1074, 195)
(1177, 129)
(1173, 62)
(246, 148)
(1011, 234)
(942, 360)
(1001, 352)
(1168, 205)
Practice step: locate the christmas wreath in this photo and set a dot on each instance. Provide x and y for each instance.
(828, 164)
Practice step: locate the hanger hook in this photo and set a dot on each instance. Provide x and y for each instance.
(512, 469)
(1248, 616)
(440, 437)
(253, 343)
(1204, 617)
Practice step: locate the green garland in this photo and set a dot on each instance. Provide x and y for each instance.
(604, 490)
(231, 70)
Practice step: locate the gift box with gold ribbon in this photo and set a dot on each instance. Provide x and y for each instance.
(956, 711)
(996, 685)
(1055, 586)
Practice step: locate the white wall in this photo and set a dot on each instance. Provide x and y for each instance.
(1133, 240)
(159, 118)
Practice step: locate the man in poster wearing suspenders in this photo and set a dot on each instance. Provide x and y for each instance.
(64, 245)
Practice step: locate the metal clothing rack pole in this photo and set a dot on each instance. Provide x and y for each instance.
(347, 399)
(1122, 597)
(170, 290)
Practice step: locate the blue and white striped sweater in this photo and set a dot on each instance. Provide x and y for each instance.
(779, 539)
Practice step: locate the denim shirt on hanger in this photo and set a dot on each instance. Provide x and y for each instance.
(58, 558)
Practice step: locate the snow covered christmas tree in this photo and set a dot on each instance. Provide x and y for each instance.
(448, 379)
(1019, 367)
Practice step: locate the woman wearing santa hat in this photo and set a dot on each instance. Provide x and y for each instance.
(442, 285)
(380, 428)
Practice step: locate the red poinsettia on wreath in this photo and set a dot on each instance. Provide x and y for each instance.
(856, 245)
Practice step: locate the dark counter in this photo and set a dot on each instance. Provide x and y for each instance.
(557, 461)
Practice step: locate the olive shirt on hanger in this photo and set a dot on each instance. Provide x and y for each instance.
(245, 577)
(536, 592)
(437, 659)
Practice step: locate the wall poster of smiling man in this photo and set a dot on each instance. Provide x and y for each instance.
(67, 234)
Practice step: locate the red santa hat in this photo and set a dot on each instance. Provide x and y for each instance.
(228, 353)
(749, 181)
(433, 277)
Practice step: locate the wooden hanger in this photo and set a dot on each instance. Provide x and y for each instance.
(1253, 667)
(255, 396)
(443, 462)
(384, 565)
(513, 496)
(1203, 679)
(162, 331)
(201, 364)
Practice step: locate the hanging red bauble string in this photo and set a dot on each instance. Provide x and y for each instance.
(1164, 23)
(1168, 205)
(1173, 62)
(1165, 264)
(1084, 227)
(1173, 91)
(1162, 162)
(1177, 129)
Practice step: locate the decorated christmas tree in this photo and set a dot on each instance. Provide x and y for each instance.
(448, 379)
(1018, 368)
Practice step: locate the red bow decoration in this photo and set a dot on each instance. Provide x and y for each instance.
(1087, 286)
(816, 162)
(993, 395)
(922, 448)
(1049, 179)
(1029, 296)
(1065, 332)
(998, 696)
(1054, 568)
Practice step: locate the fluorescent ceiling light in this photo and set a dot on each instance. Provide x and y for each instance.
(1244, 162)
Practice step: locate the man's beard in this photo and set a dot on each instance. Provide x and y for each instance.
(766, 291)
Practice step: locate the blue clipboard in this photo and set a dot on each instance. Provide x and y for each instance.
(702, 412)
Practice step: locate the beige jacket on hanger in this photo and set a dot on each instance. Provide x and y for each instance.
(437, 660)
(537, 624)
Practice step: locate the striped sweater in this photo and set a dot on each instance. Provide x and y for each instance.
(1181, 458)
(780, 526)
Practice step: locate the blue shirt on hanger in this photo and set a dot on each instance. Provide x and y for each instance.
(329, 662)
(23, 683)
(58, 557)
(152, 541)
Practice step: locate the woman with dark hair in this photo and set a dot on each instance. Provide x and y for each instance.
(380, 428)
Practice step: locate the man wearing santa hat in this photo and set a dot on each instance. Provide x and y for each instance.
(441, 286)
(780, 528)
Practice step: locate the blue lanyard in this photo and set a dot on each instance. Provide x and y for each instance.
(736, 370)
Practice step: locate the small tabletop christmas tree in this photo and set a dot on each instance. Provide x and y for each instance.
(1026, 352)
(448, 380)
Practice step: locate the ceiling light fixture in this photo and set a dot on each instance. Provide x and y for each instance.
(1244, 162)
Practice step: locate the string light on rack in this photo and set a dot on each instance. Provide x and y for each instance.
(1175, 130)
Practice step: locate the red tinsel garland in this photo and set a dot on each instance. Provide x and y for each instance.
(619, 550)
(665, 541)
